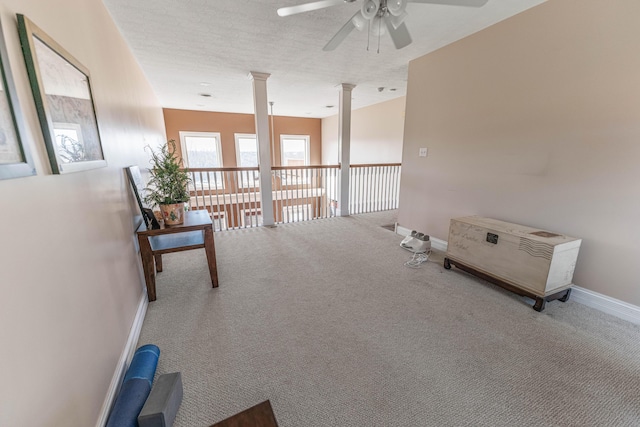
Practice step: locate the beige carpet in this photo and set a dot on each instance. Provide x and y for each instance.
(323, 319)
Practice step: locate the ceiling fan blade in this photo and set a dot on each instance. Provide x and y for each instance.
(307, 7)
(468, 3)
(341, 35)
(400, 35)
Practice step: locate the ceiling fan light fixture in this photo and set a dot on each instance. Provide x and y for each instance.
(359, 22)
(370, 8)
(396, 7)
(397, 20)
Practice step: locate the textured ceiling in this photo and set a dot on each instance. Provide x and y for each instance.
(183, 43)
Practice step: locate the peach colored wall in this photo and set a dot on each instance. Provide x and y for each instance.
(70, 281)
(376, 134)
(535, 120)
(228, 124)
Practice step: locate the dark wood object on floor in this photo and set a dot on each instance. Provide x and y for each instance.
(260, 415)
(562, 295)
(196, 232)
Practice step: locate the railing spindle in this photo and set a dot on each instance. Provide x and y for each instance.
(236, 189)
(373, 188)
(378, 183)
(358, 190)
(297, 194)
(245, 208)
(224, 208)
(307, 187)
(233, 188)
(396, 186)
(351, 190)
(211, 210)
(282, 199)
(325, 193)
(363, 188)
(386, 189)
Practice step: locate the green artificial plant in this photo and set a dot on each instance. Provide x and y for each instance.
(168, 181)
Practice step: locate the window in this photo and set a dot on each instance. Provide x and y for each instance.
(202, 150)
(247, 156)
(246, 150)
(294, 150)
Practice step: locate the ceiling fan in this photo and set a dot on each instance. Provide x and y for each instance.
(378, 15)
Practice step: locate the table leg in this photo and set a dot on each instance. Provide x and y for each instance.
(158, 258)
(210, 249)
(147, 265)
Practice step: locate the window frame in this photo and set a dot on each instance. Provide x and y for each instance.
(218, 176)
(307, 138)
(248, 179)
(185, 152)
(237, 137)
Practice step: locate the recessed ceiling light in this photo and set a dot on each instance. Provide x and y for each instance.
(393, 89)
(330, 106)
(206, 95)
(205, 84)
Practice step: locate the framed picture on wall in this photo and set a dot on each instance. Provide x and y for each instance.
(15, 159)
(62, 92)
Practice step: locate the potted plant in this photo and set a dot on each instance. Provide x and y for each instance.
(168, 182)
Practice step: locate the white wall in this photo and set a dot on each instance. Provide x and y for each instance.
(70, 280)
(535, 120)
(376, 134)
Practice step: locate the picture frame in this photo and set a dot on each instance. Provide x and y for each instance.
(15, 157)
(61, 88)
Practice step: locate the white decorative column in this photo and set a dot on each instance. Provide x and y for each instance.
(344, 146)
(264, 145)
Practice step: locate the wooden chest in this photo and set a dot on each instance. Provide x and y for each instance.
(534, 260)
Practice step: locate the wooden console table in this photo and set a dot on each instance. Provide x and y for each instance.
(196, 232)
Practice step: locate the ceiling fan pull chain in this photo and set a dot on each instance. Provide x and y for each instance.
(379, 21)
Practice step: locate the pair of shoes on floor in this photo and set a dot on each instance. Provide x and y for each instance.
(416, 242)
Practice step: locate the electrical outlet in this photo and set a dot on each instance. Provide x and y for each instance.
(423, 152)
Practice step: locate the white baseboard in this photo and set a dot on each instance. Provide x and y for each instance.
(403, 231)
(617, 308)
(125, 359)
(437, 244)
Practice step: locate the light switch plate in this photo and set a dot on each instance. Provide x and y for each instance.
(423, 152)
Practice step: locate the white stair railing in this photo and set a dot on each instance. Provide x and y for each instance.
(374, 187)
(300, 193)
(231, 195)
